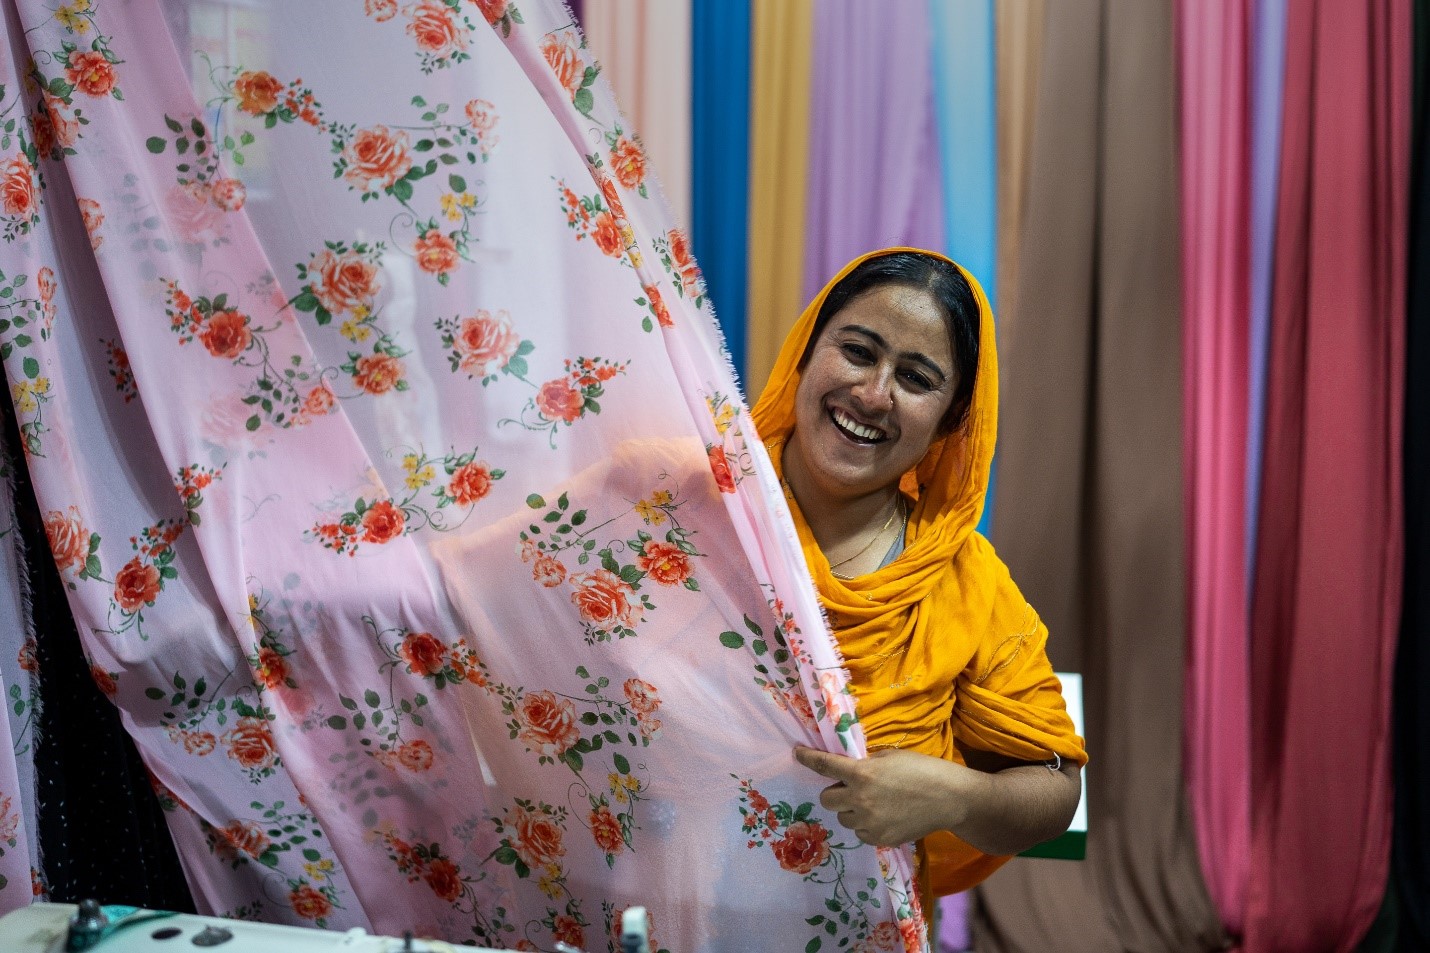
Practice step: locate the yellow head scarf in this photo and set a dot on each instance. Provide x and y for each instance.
(940, 644)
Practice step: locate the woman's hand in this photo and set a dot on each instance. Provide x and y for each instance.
(1001, 806)
(893, 796)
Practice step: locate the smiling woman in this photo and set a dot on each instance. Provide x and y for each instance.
(881, 417)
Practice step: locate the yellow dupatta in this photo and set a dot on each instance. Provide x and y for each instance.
(940, 644)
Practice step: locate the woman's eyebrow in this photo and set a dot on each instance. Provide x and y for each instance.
(915, 356)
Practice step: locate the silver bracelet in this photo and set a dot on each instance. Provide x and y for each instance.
(1054, 765)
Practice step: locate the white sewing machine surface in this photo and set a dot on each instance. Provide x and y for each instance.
(45, 928)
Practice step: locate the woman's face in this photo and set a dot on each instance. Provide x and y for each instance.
(877, 384)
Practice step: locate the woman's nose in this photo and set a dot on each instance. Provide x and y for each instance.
(875, 390)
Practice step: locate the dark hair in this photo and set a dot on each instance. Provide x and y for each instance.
(949, 288)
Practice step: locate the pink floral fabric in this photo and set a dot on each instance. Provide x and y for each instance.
(410, 513)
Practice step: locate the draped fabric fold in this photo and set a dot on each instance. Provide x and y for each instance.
(403, 496)
(1213, 58)
(1090, 515)
(1018, 35)
(780, 77)
(1327, 589)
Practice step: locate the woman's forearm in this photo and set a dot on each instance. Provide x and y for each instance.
(1009, 810)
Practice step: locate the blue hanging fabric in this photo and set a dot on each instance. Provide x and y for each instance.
(720, 147)
(963, 51)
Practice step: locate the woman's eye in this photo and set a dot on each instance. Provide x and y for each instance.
(857, 352)
(918, 380)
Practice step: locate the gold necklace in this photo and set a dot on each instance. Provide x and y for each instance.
(900, 507)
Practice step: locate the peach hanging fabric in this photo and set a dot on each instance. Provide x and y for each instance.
(402, 486)
(643, 47)
(1214, 61)
(1089, 510)
(1326, 596)
(1018, 35)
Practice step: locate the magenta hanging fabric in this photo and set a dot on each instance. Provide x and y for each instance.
(874, 174)
(1213, 59)
(1328, 564)
(410, 512)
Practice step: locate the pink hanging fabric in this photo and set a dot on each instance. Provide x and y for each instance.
(19, 661)
(406, 498)
(1328, 564)
(1213, 59)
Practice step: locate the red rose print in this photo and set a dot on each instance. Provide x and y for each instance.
(720, 466)
(378, 373)
(444, 878)
(90, 72)
(657, 304)
(436, 253)
(642, 696)
(66, 127)
(538, 839)
(803, 847)
(628, 162)
(104, 681)
(604, 599)
(380, 10)
(344, 281)
(435, 28)
(199, 743)
(42, 130)
(606, 830)
(481, 113)
(494, 10)
(28, 660)
(190, 212)
(470, 483)
(136, 585)
(549, 572)
(685, 265)
(272, 668)
(257, 92)
(250, 743)
(17, 189)
(568, 930)
(382, 522)
(912, 933)
(607, 235)
(319, 400)
(547, 724)
(226, 334)
(564, 58)
(758, 802)
(799, 704)
(308, 903)
(377, 155)
(69, 540)
(886, 937)
(423, 652)
(415, 756)
(665, 563)
(486, 343)
(246, 837)
(228, 194)
(93, 218)
(558, 400)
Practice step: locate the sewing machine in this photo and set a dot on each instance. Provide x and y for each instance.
(61, 927)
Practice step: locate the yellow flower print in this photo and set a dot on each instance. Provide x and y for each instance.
(355, 331)
(70, 16)
(618, 789)
(549, 881)
(454, 205)
(417, 479)
(320, 870)
(649, 513)
(25, 397)
(661, 497)
(724, 418)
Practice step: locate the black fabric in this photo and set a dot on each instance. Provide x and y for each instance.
(1411, 839)
(102, 833)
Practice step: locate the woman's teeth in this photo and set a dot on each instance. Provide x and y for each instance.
(854, 428)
